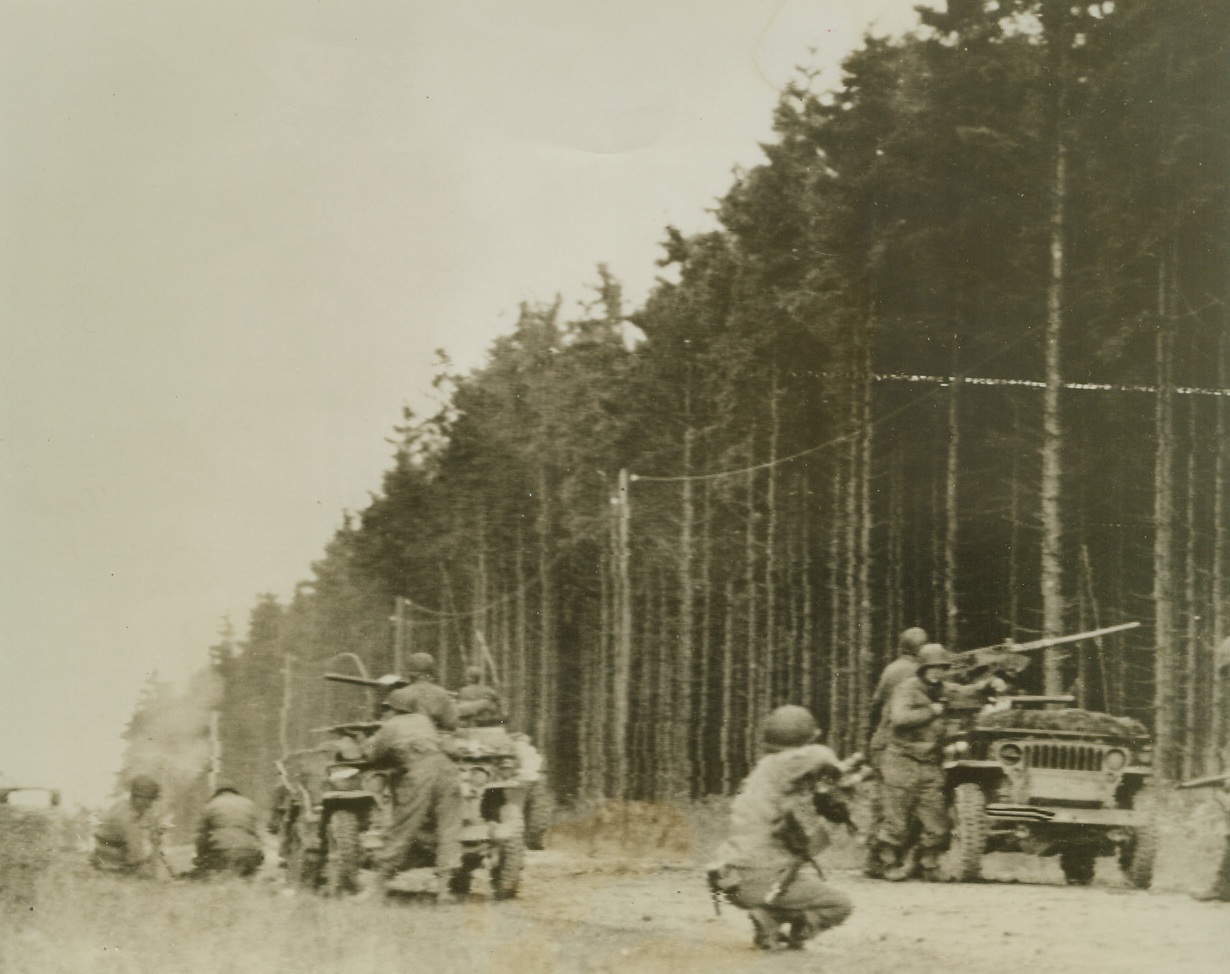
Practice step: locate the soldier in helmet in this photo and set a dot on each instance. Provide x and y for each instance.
(426, 788)
(911, 765)
(128, 839)
(478, 703)
(899, 670)
(424, 695)
(228, 838)
(767, 865)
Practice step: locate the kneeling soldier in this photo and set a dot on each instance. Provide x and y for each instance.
(228, 839)
(767, 865)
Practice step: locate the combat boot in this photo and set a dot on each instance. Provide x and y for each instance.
(874, 867)
(801, 931)
(903, 870)
(929, 864)
(767, 933)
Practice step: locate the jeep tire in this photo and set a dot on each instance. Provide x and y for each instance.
(1078, 864)
(1136, 856)
(343, 853)
(969, 833)
(506, 873)
(537, 815)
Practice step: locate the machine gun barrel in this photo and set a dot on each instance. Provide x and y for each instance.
(1058, 640)
(384, 683)
(1208, 781)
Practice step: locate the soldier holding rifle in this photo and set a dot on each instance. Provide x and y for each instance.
(767, 865)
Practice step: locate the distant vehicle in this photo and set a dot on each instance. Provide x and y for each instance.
(29, 797)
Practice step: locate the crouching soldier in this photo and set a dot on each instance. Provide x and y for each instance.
(767, 865)
(228, 839)
(128, 839)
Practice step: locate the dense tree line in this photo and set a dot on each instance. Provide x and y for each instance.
(952, 359)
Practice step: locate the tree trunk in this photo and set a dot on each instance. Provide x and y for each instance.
(951, 527)
(623, 638)
(1195, 716)
(866, 660)
(701, 737)
(837, 713)
(1165, 729)
(1219, 682)
(726, 731)
(755, 673)
(520, 674)
(1052, 429)
(682, 709)
(767, 697)
(546, 615)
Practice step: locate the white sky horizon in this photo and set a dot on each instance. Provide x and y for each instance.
(231, 239)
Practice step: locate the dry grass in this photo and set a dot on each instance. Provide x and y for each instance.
(60, 916)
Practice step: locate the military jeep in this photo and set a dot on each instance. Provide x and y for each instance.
(1042, 778)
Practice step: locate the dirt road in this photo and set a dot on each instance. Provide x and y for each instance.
(617, 908)
(641, 916)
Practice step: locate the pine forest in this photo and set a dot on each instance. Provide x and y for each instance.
(957, 355)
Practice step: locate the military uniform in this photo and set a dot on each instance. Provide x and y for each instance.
(431, 700)
(895, 673)
(128, 840)
(478, 703)
(768, 861)
(426, 792)
(228, 838)
(912, 772)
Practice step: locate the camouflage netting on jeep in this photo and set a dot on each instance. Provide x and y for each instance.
(1073, 719)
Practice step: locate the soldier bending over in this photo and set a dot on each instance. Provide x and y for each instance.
(426, 789)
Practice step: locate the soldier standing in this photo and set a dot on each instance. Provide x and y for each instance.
(426, 789)
(424, 695)
(898, 671)
(128, 840)
(912, 769)
(767, 865)
(228, 839)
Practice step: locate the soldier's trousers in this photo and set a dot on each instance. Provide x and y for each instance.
(426, 798)
(806, 898)
(912, 790)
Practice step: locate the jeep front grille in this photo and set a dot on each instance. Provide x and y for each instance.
(1064, 757)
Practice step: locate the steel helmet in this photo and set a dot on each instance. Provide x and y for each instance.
(933, 654)
(474, 673)
(403, 700)
(912, 640)
(421, 663)
(143, 786)
(788, 726)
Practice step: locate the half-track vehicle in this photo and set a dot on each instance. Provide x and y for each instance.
(1065, 782)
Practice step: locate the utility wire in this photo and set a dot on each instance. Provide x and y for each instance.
(942, 381)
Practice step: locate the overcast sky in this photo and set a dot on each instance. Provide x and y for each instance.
(232, 235)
